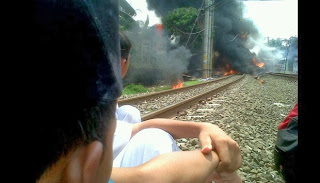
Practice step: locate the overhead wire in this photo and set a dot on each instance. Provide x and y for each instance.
(193, 41)
(199, 10)
(214, 5)
(172, 23)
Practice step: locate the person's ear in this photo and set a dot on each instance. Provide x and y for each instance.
(84, 163)
(123, 61)
(124, 67)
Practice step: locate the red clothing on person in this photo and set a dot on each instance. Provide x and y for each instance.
(293, 113)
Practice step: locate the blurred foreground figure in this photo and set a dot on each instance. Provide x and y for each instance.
(286, 148)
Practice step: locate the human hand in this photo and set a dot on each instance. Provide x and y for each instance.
(224, 177)
(211, 138)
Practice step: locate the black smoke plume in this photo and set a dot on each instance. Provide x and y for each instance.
(233, 34)
(232, 39)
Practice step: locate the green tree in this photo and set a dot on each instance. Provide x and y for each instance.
(283, 44)
(180, 23)
(277, 43)
(126, 14)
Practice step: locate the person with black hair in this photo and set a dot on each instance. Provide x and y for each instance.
(74, 78)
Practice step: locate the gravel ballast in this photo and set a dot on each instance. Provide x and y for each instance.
(250, 112)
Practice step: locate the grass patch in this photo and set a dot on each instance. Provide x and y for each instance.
(134, 89)
(190, 83)
(138, 88)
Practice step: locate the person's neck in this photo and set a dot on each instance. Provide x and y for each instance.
(55, 172)
(62, 170)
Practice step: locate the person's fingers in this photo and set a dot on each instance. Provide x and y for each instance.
(227, 149)
(206, 149)
(206, 143)
(223, 151)
(230, 156)
(213, 177)
(225, 177)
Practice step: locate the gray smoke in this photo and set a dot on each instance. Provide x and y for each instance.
(153, 60)
(274, 55)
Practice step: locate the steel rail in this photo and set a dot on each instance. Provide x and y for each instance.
(130, 101)
(293, 76)
(172, 110)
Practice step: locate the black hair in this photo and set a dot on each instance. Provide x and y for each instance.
(74, 76)
(125, 45)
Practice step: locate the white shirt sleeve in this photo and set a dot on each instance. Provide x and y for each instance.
(128, 114)
(121, 136)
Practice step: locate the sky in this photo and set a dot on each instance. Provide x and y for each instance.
(142, 11)
(274, 19)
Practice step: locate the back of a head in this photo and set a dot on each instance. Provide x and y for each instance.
(125, 45)
(74, 75)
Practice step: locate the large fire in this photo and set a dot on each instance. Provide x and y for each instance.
(228, 70)
(258, 64)
(179, 85)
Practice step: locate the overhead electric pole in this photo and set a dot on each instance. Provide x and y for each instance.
(211, 61)
(208, 40)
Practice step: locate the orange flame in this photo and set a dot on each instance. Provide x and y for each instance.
(258, 64)
(229, 71)
(261, 81)
(179, 85)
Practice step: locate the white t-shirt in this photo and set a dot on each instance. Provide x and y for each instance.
(128, 113)
(121, 136)
(145, 145)
(126, 116)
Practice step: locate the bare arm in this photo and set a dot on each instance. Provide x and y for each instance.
(178, 129)
(175, 167)
(211, 137)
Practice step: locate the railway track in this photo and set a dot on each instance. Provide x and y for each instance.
(291, 76)
(134, 100)
(187, 96)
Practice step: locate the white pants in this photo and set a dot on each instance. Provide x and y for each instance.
(143, 146)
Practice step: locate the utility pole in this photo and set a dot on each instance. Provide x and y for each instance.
(211, 62)
(207, 43)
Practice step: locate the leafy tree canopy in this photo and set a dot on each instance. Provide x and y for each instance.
(282, 44)
(126, 14)
(180, 22)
